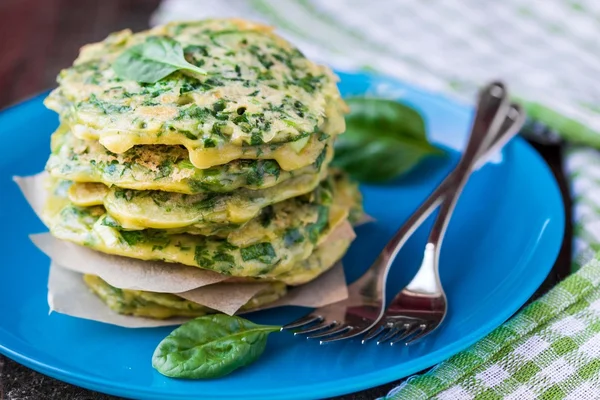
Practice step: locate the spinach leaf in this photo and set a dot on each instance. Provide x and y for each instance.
(383, 140)
(153, 60)
(210, 347)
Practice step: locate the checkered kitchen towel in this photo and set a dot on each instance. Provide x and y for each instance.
(549, 52)
(550, 350)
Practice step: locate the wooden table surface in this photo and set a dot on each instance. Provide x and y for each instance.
(37, 39)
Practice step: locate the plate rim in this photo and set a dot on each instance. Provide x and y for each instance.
(339, 386)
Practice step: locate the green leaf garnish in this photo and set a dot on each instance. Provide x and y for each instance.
(383, 140)
(153, 60)
(210, 347)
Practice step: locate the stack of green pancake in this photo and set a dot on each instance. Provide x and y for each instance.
(226, 171)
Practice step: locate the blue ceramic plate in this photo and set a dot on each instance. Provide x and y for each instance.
(501, 244)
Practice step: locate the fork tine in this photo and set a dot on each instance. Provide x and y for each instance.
(336, 330)
(390, 334)
(306, 320)
(317, 327)
(415, 329)
(421, 334)
(350, 334)
(375, 331)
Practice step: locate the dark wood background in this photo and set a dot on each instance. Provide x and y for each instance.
(37, 39)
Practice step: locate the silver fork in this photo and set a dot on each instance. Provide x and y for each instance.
(420, 308)
(365, 304)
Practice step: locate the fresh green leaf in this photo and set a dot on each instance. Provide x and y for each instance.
(383, 140)
(153, 60)
(210, 347)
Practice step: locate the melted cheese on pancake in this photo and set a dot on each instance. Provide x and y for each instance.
(165, 168)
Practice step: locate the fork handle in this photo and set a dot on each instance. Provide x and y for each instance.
(377, 273)
(492, 111)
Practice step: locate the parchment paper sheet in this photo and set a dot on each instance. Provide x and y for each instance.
(68, 294)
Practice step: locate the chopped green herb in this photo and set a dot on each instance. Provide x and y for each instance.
(224, 257)
(219, 105)
(196, 49)
(208, 202)
(227, 246)
(266, 216)
(217, 128)
(132, 237)
(164, 169)
(188, 134)
(208, 142)
(110, 221)
(293, 236)
(193, 112)
(202, 257)
(124, 194)
(258, 169)
(320, 159)
(271, 167)
(186, 164)
(106, 107)
(323, 136)
(315, 229)
(309, 83)
(256, 139)
(263, 252)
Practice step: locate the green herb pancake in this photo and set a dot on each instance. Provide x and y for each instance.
(165, 305)
(143, 209)
(166, 168)
(245, 93)
(269, 246)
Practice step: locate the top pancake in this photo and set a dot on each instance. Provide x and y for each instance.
(259, 91)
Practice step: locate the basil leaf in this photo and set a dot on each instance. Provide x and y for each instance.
(152, 60)
(210, 346)
(383, 140)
